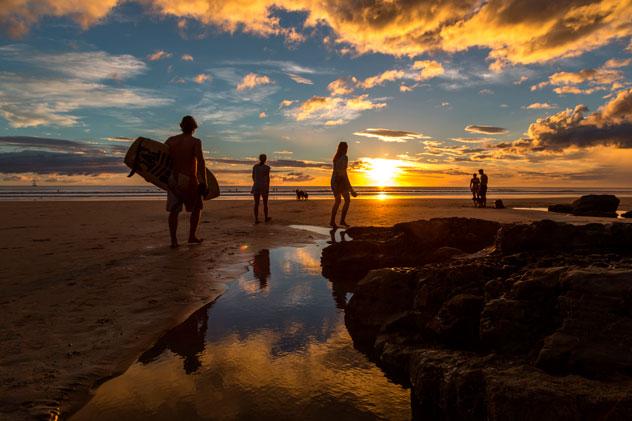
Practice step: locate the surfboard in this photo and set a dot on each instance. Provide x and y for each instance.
(150, 159)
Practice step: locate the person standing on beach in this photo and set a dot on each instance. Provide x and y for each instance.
(261, 186)
(340, 185)
(482, 192)
(188, 181)
(475, 184)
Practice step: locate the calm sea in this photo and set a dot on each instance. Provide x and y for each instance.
(40, 193)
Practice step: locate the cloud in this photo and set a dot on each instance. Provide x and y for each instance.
(286, 103)
(541, 106)
(86, 65)
(379, 79)
(342, 86)
(428, 69)
(252, 80)
(521, 80)
(513, 31)
(602, 78)
(387, 135)
(611, 125)
(333, 110)
(486, 92)
(186, 57)
(262, 115)
(158, 55)
(201, 78)
(472, 139)
(614, 63)
(121, 139)
(296, 177)
(300, 79)
(482, 129)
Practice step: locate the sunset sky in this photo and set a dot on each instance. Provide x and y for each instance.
(426, 92)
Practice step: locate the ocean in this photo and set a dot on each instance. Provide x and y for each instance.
(148, 192)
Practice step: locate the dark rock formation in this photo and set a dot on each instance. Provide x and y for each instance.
(627, 214)
(604, 205)
(538, 327)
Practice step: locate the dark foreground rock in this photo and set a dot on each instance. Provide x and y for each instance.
(537, 326)
(603, 205)
(627, 214)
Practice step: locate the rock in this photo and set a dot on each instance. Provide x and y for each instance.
(467, 234)
(457, 322)
(627, 214)
(381, 296)
(561, 208)
(604, 205)
(352, 259)
(498, 204)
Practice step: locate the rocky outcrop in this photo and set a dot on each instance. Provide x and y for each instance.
(604, 205)
(537, 326)
(627, 214)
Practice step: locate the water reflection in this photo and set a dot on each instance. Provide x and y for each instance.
(273, 346)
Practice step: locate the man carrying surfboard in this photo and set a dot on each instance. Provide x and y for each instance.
(187, 184)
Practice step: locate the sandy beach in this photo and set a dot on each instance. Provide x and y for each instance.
(87, 286)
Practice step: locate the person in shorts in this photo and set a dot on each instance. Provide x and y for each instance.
(187, 181)
(261, 186)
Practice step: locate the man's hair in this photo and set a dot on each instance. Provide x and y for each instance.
(481, 171)
(263, 158)
(188, 124)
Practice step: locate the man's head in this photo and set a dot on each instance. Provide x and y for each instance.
(188, 124)
(474, 175)
(263, 158)
(481, 172)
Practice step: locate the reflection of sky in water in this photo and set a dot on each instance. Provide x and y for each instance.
(273, 346)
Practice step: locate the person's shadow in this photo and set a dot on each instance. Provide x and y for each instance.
(261, 268)
(186, 340)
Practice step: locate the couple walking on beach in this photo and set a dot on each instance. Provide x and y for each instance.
(185, 152)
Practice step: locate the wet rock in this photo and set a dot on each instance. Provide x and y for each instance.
(353, 259)
(596, 205)
(561, 208)
(627, 214)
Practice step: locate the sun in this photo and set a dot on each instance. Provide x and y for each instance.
(382, 172)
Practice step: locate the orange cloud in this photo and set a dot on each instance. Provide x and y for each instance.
(514, 31)
(387, 76)
(158, 55)
(252, 80)
(333, 110)
(428, 69)
(201, 78)
(343, 86)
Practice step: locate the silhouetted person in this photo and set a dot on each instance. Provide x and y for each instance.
(475, 185)
(482, 192)
(261, 186)
(298, 194)
(340, 185)
(188, 180)
(261, 268)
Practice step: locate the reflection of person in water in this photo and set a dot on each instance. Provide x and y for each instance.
(261, 268)
(186, 340)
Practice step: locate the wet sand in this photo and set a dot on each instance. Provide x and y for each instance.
(88, 286)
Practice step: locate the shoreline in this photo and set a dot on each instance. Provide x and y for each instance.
(86, 295)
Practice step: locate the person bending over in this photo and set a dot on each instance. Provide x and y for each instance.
(261, 186)
(188, 179)
(340, 185)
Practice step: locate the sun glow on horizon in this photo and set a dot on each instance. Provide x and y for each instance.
(382, 172)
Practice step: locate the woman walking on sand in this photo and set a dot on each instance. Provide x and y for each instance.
(261, 186)
(340, 185)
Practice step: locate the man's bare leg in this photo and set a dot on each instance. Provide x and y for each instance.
(173, 228)
(195, 220)
(334, 211)
(265, 207)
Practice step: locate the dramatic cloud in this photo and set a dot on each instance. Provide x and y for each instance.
(611, 125)
(541, 106)
(387, 76)
(158, 55)
(387, 135)
(428, 69)
(514, 31)
(333, 111)
(481, 129)
(252, 80)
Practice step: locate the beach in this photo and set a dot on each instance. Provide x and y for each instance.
(88, 286)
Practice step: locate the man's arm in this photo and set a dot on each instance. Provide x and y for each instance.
(201, 165)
